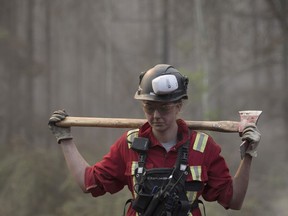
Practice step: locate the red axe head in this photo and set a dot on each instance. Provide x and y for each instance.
(248, 116)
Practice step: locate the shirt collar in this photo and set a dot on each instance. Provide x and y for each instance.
(183, 133)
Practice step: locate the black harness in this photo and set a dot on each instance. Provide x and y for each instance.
(162, 191)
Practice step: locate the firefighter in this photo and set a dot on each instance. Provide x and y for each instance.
(166, 166)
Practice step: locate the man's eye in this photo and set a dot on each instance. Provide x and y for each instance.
(149, 108)
(165, 108)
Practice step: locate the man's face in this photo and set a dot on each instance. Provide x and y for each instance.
(161, 115)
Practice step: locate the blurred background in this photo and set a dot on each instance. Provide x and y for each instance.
(86, 56)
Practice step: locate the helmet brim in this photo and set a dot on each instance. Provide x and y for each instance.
(159, 98)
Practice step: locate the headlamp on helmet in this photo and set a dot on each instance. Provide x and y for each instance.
(164, 84)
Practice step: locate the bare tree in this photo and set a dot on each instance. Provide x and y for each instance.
(280, 10)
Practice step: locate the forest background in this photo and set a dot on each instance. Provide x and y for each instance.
(86, 56)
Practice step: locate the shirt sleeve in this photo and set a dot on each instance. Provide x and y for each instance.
(219, 186)
(108, 174)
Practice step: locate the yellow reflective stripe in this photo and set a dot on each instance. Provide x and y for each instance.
(131, 135)
(200, 142)
(191, 195)
(134, 165)
(196, 172)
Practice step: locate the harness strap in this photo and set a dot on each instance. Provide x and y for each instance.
(126, 203)
(182, 159)
(201, 202)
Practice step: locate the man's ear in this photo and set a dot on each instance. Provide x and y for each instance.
(179, 106)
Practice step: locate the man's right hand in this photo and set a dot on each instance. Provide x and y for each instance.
(61, 133)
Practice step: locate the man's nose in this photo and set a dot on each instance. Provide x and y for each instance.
(156, 114)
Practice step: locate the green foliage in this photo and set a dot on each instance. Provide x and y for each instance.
(37, 182)
(185, 46)
(4, 34)
(196, 85)
(28, 180)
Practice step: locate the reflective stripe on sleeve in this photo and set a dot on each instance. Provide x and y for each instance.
(200, 142)
(134, 165)
(131, 135)
(196, 172)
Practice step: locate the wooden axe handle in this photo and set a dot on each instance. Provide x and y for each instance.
(220, 126)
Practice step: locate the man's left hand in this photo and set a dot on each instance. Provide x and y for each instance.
(251, 136)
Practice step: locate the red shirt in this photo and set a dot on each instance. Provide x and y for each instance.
(116, 169)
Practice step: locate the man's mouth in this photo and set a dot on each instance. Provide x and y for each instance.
(157, 123)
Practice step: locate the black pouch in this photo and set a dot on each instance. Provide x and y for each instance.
(156, 178)
(152, 181)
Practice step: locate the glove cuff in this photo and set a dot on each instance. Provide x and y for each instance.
(252, 153)
(64, 138)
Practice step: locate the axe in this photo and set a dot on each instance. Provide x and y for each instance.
(249, 116)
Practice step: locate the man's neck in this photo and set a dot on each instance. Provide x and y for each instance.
(167, 135)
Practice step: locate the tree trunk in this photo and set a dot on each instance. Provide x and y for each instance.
(29, 118)
(165, 33)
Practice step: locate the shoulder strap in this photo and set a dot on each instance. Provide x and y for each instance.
(182, 159)
(180, 171)
(140, 145)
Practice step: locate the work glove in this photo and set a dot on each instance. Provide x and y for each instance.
(61, 133)
(251, 138)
